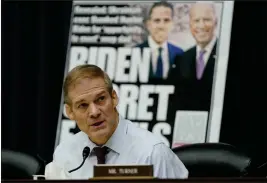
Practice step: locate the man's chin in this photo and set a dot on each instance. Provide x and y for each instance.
(202, 39)
(161, 41)
(99, 134)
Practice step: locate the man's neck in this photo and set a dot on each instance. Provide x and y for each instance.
(207, 45)
(202, 46)
(155, 44)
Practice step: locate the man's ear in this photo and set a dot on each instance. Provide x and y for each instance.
(69, 111)
(114, 97)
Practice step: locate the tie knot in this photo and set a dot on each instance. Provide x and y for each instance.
(201, 52)
(160, 49)
(100, 153)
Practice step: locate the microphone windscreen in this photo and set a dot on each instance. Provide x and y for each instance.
(86, 152)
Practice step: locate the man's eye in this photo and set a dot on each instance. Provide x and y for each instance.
(196, 19)
(100, 98)
(83, 105)
(167, 20)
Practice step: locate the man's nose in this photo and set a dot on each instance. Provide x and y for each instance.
(201, 24)
(161, 24)
(93, 111)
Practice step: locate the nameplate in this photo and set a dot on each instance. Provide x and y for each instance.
(123, 171)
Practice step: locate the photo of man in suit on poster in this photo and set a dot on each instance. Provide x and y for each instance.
(195, 68)
(163, 53)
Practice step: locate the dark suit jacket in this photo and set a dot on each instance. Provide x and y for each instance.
(190, 93)
(174, 52)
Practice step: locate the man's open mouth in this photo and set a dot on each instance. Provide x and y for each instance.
(98, 123)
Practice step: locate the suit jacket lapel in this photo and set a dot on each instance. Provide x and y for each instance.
(211, 63)
(213, 53)
(171, 55)
(145, 44)
(151, 73)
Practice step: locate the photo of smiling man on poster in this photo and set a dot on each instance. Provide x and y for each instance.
(159, 24)
(196, 66)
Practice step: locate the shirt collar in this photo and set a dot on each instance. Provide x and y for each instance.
(88, 142)
(209, 46)
(152, 44)
(117, 139)
(115, 142)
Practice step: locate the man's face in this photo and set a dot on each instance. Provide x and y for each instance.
(202, 23)
(93, 108)
(160, 23)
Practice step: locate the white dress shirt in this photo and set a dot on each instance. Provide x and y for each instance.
(129, 144)
(208, 49)
(155, 53)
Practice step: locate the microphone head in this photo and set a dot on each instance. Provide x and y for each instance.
(86, 152)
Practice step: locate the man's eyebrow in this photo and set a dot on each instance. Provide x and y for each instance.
(101, 93)
(79, 101)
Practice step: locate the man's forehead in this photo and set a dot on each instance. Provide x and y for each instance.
(87, 87)
(85, 84)
(88, 94)
(202, 8)
(161, 10)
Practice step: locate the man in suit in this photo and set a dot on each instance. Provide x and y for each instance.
(195, 69)
(159, 24)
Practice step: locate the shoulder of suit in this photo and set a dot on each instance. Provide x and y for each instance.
(143, 44)
(175, 47)
(191, 49)
(142, 136)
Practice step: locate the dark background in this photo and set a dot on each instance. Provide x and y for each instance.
(34, 47)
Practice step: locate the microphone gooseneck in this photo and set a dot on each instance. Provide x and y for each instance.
(86, 152)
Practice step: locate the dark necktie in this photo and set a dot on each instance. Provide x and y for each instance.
(100, 153)
(159, 71)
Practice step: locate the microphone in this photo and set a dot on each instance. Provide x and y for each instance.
(86, 152)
